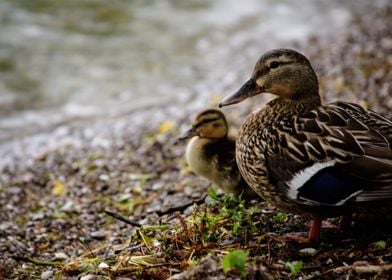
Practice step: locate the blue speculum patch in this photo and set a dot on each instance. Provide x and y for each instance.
(329, 186)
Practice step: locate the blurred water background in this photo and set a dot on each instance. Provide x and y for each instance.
(69, 64)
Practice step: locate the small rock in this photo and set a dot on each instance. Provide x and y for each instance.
(104, 177)
(4, 226)
(89, 277)
(189, 210)
(308, 251)
(98, 235)
(157, 186)
(156, 243)
(14, 190)
(60, 256)
(46, 274)
(38, 216)
(188, 191)
(68, 206)
(386, 43)
(103, 265)
(137, 190)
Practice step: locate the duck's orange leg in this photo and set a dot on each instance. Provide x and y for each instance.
(314, 231)
(313, 237)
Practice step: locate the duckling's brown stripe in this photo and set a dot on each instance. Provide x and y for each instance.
(203, 122)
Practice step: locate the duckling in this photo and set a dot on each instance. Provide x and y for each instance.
(313, 159)
(211, 153)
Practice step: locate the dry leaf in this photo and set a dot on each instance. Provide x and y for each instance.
(166, 126)
(58, 188)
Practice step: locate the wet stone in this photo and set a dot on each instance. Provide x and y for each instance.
(99, 235)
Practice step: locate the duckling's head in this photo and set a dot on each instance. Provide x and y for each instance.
(210, 124)
(282, 72)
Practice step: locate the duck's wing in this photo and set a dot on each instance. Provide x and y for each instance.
(367, 117)
(329, 157)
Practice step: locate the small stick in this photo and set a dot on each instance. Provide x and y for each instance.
(37, 261)
(182, 207)
(122, 218)
(170, 210)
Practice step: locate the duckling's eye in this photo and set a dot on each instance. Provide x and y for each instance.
(274, 64)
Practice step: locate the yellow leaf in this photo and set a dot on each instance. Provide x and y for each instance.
(166, 126)
(58, 188)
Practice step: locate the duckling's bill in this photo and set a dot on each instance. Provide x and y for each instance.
(188, 134)
(249, 89)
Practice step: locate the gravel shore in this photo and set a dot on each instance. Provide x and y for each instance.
(52, 205)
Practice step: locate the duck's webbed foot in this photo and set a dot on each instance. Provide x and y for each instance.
(313, 236)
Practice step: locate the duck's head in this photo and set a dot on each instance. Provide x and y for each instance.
(210, 124)
(282, 72)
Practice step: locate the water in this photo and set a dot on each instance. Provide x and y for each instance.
(69, 62)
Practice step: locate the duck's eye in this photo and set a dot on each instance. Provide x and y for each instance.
(274, 64)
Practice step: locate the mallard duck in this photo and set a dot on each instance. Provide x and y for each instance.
(211, 153)
(305, 157)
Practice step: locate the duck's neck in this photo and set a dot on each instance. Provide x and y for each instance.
(286, 106)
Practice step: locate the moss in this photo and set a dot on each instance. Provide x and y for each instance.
(6, 65)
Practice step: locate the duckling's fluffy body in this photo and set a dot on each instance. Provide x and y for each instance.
(318, 160)
(211, 153)
(202, 155)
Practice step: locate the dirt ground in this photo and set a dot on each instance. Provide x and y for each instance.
(56, 213)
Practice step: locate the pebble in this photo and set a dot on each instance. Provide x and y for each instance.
(104, 177)
(68, 206)
(103, 265)
(38, 216)
(308, 251)
(189, 210)
(6, 225)
(89, 277)
(98, 235)
(157, 186)
(60, 256)
(14, 190)
(46, 274)
(188, 191)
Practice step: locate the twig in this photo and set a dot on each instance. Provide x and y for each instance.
(135, 267)
(122, 218)
(37, 261)
(364, 269)
(360, 269)
(181, 208)
(169, 210)
(91, 252)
